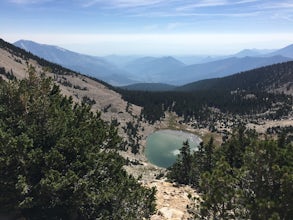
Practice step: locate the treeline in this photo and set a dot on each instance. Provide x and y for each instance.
(245, 178)
(196, 105)
(59, 160)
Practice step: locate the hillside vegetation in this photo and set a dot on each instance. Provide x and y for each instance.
(58, 160)
(245, 178)
(59, 145)
(82, 89)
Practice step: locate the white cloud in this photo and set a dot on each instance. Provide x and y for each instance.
(279, 5)
(191, 14)
(123, 3)
(203, 3)
(26, 2)
(282, 16)
(247, 1)
(213, 3)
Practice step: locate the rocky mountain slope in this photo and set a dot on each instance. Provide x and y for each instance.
(82, 89)
(85, 89)
(71, 83)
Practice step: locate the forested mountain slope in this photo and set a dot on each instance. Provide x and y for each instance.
(269, 78)
(58, 158)
(257, 92)
(219, 68)
(80, 87)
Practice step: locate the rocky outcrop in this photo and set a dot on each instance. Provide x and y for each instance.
(172, 200)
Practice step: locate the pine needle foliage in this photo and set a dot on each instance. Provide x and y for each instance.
(59, 160)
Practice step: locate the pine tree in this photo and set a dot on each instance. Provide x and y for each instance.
(220, 191)
(59, 160)
(180, 170)
(268, 171)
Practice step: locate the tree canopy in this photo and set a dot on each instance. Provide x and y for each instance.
(59, 160)
(245, 178)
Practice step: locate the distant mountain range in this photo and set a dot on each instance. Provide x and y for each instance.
(286, 52)
(126, 70)
(151, 69)
(253, 53)
(276, 77)
(220, 68)
(93, 66)
(269, 78)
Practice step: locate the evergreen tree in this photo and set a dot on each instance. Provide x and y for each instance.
(245, 178)
(235, 147)
(268, 171)
(220, 191)
(180, 170)
(189, 165)
(58, 160)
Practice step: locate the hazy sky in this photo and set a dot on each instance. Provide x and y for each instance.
(158, 27)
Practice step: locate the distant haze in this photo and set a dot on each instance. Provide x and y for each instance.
(160, 44)
(150, 27)
(167, 69)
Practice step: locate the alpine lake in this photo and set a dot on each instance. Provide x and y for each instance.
(163, 146)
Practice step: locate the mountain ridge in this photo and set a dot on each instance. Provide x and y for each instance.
(285, 51)
(253, 52)
(149, 87)
(94, 66)
(270, 78)
(149, 69)
(221, 68)
(164, 70)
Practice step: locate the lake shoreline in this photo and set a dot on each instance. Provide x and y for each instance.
(182, 133)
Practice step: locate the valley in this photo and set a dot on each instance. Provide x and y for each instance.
(250, 98)
(128, 70)
(146, 110)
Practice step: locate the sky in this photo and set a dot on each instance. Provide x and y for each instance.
(150, 27)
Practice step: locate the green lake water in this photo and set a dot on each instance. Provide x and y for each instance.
(163, 146)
